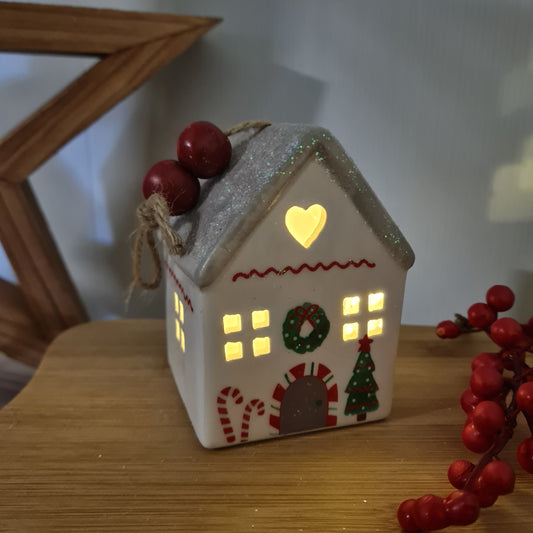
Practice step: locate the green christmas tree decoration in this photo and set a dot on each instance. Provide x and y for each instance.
(362, 387)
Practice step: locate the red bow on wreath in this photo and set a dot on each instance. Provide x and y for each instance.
(305, 313)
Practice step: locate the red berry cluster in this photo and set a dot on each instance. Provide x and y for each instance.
(501, 387)
(203, 151)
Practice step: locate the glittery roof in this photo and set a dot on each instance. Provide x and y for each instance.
(261, 166)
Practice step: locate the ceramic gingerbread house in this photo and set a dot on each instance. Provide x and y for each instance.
(283, 313)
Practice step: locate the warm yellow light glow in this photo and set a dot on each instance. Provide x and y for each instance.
(305, 225)
(261, 319)
(177, 304)
(261, 346)
(232, 323)
(350, 305)
(376, 301)
(350, 332)
(233, 350)
(182, 314)
(178, 330)
(182, 342)
(375, 327)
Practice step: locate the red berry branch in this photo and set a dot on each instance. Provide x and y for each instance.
(501, 388)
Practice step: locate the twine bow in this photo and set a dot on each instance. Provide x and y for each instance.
(305, 313)
(153, 215)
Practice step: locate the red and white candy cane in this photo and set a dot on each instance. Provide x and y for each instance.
(259, 407)
(222, 401)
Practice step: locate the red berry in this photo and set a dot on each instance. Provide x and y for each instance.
(486, 382)
(469, 401)
(497, 477)
(488, 417)
(406, 518)
(474, 440)
(462, 508)
(459, 472)
(485, 498)
(481, 315)
(430, 513)
(528, 327)
(448, 330)
(174, 183)
(524, 397)
(524, 454)
(506, 332)
(203, 149)
(500, 298)
(526, 343)
(493, 360)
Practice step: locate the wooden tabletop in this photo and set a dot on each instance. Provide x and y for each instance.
(99, 441)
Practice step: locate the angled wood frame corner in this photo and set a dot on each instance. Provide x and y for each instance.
(132, 46)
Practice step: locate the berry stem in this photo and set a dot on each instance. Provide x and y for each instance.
(529, 421)
(511, 412)
(464, 325)
(499, 444)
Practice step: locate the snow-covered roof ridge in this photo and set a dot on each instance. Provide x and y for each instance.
(262, 165)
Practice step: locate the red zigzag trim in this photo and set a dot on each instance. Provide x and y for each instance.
(180, 287)
(320, 265)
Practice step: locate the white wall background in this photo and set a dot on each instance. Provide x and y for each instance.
(433, 100)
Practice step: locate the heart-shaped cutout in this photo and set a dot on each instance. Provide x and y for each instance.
(305, 225)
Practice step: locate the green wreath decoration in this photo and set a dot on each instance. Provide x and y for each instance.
(295, 319)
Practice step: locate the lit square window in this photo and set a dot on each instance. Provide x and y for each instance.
(182, 314)
(261, 346)
(350, 331)
(177, 304)
(233, 350)
(375, 327)
(178, 330)
(376, 301)
(350, 305)
(232, 323)
(182, 342)
(261, 319)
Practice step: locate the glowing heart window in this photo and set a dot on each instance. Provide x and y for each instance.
(305, 225)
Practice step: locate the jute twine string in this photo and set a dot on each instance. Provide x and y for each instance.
(153, 215)
(248, 125)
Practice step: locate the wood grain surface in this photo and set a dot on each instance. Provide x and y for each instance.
(19, 333)
(84, 31)
(99, 441)
(51, 298)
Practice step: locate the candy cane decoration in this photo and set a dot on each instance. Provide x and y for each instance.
(259, 407)
(225, 421)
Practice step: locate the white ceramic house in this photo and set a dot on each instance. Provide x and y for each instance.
(291, 265)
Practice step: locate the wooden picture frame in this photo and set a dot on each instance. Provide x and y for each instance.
(132, 46)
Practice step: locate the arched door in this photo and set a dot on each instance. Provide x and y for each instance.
(304, 406)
